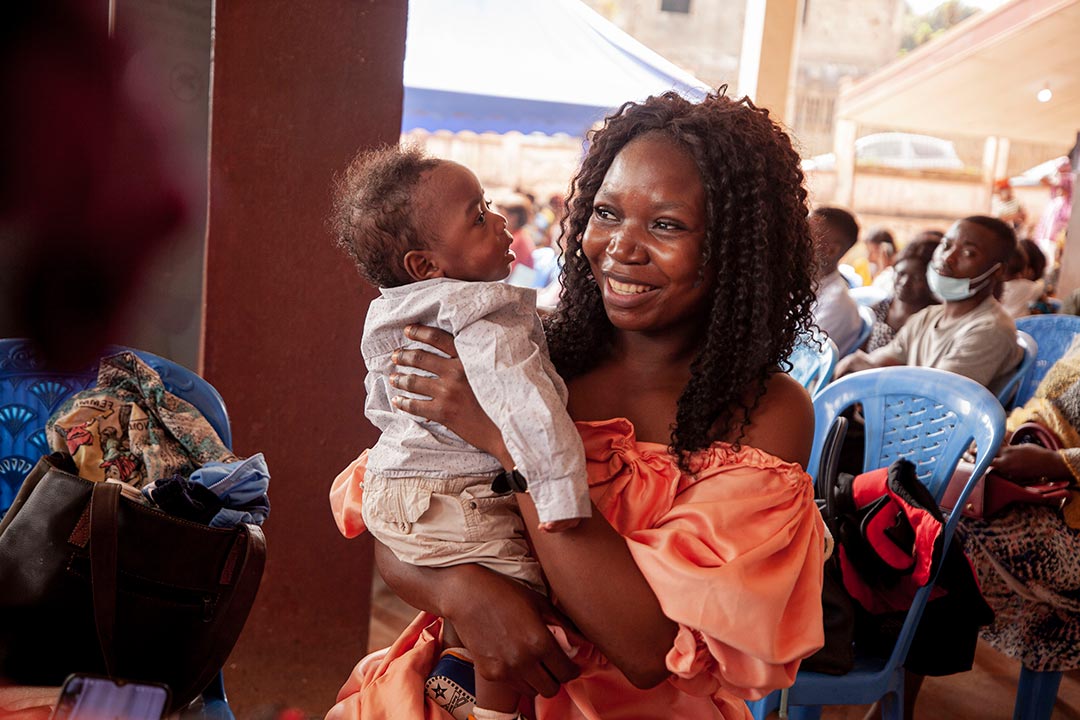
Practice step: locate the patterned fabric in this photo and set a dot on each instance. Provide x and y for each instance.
(130, 428)
(880, 334)
(1028, 560)
(1028, 565)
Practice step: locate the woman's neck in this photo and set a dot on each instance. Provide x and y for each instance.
(641, 379)
(655, 352)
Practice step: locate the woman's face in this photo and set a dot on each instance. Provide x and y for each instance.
(646, 235)
(910, 282)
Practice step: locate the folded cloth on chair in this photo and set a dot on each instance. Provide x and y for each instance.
(130, 428)
(240, 486)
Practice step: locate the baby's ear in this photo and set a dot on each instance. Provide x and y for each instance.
(421, 265)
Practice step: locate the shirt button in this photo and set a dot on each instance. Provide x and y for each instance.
(472, 505)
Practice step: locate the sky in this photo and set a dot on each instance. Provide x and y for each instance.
(922, 6)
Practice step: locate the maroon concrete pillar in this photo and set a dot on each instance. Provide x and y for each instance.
(297, 89)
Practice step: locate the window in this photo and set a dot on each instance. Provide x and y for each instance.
(675, 6)
(925, 149)
(880, 149)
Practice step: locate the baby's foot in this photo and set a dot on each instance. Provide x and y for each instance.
(451, 683)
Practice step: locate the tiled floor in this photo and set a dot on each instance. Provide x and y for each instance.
(986, 693)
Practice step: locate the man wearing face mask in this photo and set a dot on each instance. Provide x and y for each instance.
(970, 333)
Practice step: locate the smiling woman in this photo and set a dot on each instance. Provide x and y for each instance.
(687, 281)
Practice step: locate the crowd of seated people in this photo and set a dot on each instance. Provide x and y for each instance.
(950, 305)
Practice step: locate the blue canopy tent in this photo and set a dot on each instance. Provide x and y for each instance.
(549, 66)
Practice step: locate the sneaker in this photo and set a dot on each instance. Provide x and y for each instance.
(452, 684)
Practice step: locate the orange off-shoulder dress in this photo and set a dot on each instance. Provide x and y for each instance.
(733, 553)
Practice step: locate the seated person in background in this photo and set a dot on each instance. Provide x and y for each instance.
(516, 210)
(835, 312)
(877, 267)
(1019, 292)
(911, 294)
(1027, 559)
(1036, 269)
(1006, 206)
(970, 334)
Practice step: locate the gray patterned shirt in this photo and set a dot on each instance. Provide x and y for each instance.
(502, 347)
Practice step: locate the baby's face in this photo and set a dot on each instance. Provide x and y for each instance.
(473, 242)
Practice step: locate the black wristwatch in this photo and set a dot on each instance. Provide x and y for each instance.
(509, 481)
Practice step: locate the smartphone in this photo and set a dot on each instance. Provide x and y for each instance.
(90, 697)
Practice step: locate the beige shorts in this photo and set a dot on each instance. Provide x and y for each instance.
(439, 522)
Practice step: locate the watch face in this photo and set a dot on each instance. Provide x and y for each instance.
(518, 481)
(509, 481)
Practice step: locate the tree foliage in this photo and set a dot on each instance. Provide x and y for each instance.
(919, 29)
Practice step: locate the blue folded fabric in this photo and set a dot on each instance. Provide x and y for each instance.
(241, 486)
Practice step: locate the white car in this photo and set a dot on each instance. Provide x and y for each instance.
(896, 150)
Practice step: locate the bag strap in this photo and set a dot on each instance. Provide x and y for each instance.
(829, 469)
(104, 514)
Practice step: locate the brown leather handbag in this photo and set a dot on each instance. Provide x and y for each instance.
(996, 492)
(94, 582)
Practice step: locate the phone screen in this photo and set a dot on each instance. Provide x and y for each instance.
(86, 697)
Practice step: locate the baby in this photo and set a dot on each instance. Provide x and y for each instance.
(421, 231)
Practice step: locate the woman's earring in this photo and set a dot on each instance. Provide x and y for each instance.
(578, 253)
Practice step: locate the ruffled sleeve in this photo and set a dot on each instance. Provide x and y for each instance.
(735, 559)
(346, 494)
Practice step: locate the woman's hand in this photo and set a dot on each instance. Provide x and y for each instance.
(502, 623)
(452, 402)
(1030, 462)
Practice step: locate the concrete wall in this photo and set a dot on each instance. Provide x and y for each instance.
(297, 89)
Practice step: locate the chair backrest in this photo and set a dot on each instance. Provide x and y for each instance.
(1007, 394)
(812, 362)
(927, 416)
(1054, 334)
(868, 294)
(30, 393)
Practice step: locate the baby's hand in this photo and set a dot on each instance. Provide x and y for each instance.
(559, 525)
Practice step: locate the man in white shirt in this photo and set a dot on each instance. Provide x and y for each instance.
(835, 312)
(970, 334)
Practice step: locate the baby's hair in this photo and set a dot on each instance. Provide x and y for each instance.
(375, 209)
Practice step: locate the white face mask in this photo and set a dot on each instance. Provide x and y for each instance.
(956, 289)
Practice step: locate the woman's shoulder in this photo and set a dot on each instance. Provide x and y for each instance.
(782, 424)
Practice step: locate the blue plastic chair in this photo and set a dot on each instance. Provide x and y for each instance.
(929, 417)
(1007, 394)
(1054, 334)
(852, 278)
(30, 393)
(868, 295)
(813, 361)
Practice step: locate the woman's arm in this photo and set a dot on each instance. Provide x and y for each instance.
(500, 621)
(621, 614)
(600, 587)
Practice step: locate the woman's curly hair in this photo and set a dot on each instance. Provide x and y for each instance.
(757, 243)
